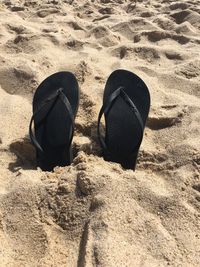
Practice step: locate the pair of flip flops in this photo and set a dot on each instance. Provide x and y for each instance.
(126, 103)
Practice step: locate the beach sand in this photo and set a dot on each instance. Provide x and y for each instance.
(94, 213)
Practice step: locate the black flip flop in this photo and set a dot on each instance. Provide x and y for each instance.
(126, 104)
(55, 105)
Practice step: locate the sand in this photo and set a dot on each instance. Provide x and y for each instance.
(94, 213)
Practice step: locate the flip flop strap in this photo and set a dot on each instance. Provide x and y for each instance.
(106, 108)
(54, 97)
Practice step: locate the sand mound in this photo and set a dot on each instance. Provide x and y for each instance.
(94, 213)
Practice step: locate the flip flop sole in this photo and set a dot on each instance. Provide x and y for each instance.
(53, 125)
(123, 129)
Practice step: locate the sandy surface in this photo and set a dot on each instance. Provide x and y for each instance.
(93, 213)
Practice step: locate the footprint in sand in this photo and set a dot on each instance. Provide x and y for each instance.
(146, 53)
(30, 3)
(75, 26)
(165, 23)
(161, 117)
(19, 80)
(74, 44)
(156, 36)
(46, 12)
(186, 28)
(18, 29)
(179, 5)
(25, 154)
(99, 32)
(189, 70)
(106, 10)
(14, 7)
(104, 36)
(131, 6)
(174, 55)
(17, 8)
(186, 15)
(133, 27)
(26, 43)
(157, 158)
